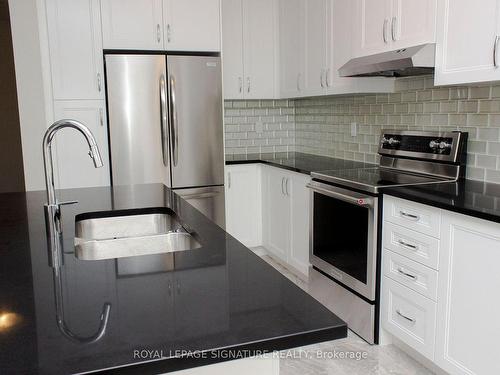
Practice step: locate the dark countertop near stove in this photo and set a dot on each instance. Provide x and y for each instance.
(297, 161)
(220, 296)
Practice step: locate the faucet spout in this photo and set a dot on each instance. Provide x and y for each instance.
(52, 208)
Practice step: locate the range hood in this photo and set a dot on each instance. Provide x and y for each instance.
(403, 62)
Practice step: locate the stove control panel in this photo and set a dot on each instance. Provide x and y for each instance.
(421, 145)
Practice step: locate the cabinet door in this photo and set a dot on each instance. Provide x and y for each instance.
(316, 46)
(466, 54)
(413, 22)
(232, 48)
(192, 25)
(132, 24)
(259, 25)
(276, 213)
(371, 26)
(300, 213)
(468, 305)
(74, 168)
(291, 35)
(243, 204)
(75, 43)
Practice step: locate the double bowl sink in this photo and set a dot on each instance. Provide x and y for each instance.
(130, 233)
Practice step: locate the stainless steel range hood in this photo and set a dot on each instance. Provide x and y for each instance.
(403, 62)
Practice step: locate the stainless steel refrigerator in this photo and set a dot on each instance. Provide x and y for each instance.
(165, 125)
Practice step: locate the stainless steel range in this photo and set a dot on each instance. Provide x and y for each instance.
(344, 218)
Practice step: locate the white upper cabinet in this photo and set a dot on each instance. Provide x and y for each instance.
(317, 25)
(74, 169)
(467, 42)
(232, 48)
(413, 22)
(291, 46)
(192, 25)
(75, 44)
(132, 24)
(383, 25)
(249, 48)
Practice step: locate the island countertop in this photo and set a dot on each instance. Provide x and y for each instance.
(211, 300)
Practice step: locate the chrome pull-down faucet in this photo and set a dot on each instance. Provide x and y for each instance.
(53, 207)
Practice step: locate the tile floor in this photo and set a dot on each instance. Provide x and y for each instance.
(349, 356)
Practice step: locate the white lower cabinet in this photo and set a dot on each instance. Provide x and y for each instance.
(285, 208)
(450, 314)
(269, 207)
(243, 203)
(74, 167)
(468, 325)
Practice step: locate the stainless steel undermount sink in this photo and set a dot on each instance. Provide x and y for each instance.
(131, 234)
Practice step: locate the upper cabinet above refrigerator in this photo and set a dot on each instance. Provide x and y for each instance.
(172, 25)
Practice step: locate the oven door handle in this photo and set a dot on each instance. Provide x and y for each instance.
(359, 200)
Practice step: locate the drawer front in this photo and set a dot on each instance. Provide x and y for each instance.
(409, 316)
(415, 276)
(415, 216)
(416, 246)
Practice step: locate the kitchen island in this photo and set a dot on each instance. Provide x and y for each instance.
(167, 312)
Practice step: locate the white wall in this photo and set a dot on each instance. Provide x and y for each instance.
(30, 88)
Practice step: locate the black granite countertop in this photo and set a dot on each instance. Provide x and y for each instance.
(297, 161)
(473, 198)
(220, 296)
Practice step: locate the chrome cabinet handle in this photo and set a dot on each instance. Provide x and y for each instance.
(158, 33)
(405, 317)
(321, 78)
(413, 277)
(298, 81)
(169, 33)
(163, 116)
(287, 193)
(282, 185)
(393, 28)
(495, 51)
(229, 180)
(101, 117)
(406, 244)
(99, 86)
(240, 83)
(327, 77)
(409, 216)
(248, 84)
(384, 30)
(174, 126)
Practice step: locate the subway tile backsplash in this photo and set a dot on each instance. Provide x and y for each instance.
(322, 125)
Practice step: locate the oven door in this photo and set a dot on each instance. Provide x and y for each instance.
(343, 236)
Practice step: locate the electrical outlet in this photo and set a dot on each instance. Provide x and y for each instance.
(354, 129)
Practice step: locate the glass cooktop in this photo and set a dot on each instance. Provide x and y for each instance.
(371, 179)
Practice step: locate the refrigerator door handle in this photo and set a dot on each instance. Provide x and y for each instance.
(163, 115)
(174, 126)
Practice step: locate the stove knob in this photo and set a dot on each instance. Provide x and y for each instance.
(434, 144)
(384, 141)
(394, 142)
(444, 145)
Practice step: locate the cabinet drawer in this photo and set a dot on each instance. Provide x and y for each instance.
(415, 276)
(416, 216)
(411, 244)
(409, 316)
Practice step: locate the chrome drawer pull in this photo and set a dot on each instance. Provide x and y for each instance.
(409, 216)
(405, 317)
(409, 245)
(413, 277)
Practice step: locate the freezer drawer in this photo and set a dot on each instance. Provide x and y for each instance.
(208, 200)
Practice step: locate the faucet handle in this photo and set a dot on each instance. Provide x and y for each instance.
(66, 203)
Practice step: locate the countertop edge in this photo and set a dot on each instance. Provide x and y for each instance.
(269, 162)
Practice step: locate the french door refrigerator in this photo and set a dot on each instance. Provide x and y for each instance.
(165, 125)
